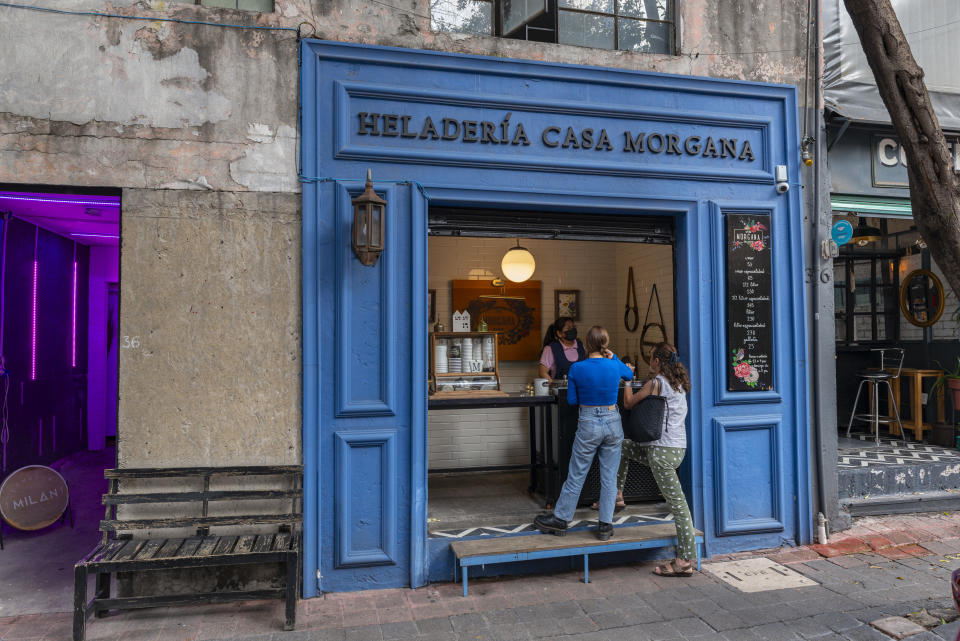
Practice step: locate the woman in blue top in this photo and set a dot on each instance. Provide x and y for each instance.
(592, 383)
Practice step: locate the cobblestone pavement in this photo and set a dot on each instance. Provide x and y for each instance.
(881, 567)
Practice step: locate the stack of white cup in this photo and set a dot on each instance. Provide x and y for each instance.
(454, 360)
(440, 358)
(488, 352)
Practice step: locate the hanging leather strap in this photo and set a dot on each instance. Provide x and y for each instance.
(631, 309)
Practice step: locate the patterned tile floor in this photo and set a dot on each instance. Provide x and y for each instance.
(519, 528)
(863, 452)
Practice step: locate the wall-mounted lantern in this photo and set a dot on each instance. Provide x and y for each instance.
(368, 224)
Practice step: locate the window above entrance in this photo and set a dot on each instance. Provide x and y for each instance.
(641, 26)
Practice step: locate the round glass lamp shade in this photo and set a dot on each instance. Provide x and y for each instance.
(518, 264)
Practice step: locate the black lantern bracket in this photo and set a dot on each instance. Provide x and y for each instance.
(368, 224)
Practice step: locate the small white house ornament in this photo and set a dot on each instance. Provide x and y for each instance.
(461, 321)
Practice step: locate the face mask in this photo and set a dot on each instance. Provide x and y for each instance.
(570, 334)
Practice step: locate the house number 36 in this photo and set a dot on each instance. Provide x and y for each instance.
(130, 342)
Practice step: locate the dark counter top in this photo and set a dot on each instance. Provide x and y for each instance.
(511, 400)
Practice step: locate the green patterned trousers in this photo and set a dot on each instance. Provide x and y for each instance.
(663, 462)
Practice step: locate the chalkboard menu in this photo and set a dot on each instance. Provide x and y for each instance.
(749, 307)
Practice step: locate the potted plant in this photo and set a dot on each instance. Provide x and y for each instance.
(952, 380)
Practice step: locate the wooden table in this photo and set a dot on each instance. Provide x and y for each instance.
(915, 420)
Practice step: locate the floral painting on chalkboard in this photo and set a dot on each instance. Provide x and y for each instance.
(743, 370)
(753, 235)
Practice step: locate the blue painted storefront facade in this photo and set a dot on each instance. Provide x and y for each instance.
(544, 137)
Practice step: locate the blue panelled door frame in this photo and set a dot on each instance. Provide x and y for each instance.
(364, 404)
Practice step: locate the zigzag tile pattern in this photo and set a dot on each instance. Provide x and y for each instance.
(501, 530)
(894, 452)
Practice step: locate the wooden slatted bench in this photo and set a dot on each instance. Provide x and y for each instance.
(120, 551)
(508, 549)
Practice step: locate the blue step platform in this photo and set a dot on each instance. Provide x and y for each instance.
(576, 543)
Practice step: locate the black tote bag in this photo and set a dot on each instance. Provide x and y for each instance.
(645, 420)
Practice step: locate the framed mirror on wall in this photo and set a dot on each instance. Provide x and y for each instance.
(921, 298)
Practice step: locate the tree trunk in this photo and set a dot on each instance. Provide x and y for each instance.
(934, 186)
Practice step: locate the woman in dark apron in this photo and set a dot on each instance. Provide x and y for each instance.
(561, 349)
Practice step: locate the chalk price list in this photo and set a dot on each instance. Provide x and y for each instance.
(749, 309)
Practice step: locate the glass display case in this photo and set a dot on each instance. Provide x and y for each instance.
(464, 363)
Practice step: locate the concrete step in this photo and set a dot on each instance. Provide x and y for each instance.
(944, 501)
(899, 478)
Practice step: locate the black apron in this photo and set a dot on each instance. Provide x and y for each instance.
(560, 363)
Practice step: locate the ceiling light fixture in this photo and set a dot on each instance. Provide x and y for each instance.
(863, 235)
(518, 264)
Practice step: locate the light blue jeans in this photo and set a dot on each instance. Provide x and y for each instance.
(599, 432)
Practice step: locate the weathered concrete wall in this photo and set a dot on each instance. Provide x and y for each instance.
(210, 283)
(192, 121)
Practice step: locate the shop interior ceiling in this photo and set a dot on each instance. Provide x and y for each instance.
(91, 219)
(552, 225)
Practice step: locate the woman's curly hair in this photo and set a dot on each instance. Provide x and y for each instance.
(671, 367)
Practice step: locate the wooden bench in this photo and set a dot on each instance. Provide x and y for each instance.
(508, 549)
(122, 552)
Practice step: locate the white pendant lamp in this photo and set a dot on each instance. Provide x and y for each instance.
(518, 264)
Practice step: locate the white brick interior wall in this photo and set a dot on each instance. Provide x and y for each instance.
(499, 436)
(652, 265)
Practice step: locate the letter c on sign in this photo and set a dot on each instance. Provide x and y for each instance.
(885, 159)
(548, 130)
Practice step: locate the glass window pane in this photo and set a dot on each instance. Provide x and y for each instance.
(649, 9)
(520, 12)
(599, 6)
(585, 30)
(263, 6)
(646, 37)
(462, 16)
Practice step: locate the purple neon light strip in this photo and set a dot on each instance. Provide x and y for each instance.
(78, 235)
(33, 331)
(73, 333)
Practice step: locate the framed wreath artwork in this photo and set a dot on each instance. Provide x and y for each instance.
(566, 302)
(511, 310)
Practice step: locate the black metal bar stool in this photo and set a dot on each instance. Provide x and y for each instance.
(874, 378)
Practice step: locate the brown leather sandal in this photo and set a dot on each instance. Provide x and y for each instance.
(618, 507)
(672, 568)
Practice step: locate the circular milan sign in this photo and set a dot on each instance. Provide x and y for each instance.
(33, 497)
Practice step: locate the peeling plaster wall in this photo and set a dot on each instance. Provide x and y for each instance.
(198, 125)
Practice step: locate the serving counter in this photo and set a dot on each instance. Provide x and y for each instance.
(552, 426)
(536, 405)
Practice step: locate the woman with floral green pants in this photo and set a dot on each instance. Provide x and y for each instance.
(670, 380)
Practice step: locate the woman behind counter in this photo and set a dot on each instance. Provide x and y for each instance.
(561, 349)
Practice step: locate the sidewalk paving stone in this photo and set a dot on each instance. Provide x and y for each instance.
(948, 631)
(865, 633)
(622, 603)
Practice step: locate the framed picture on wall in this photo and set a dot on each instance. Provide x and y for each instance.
(432, 306)
(567, 303)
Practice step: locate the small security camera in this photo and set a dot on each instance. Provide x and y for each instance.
(781, 176)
